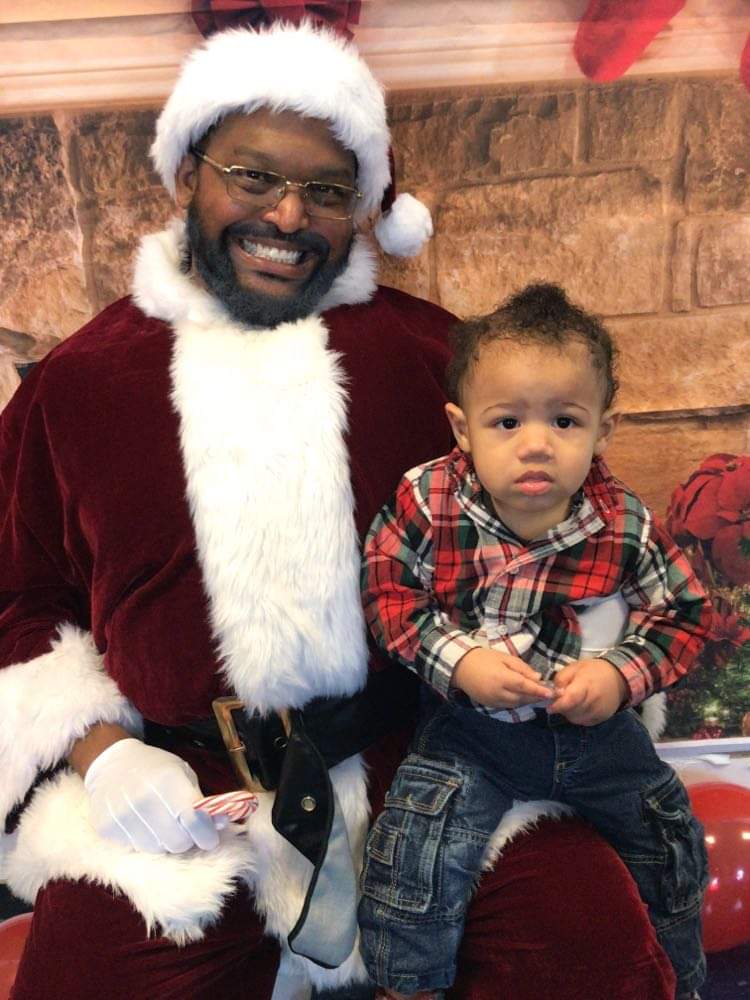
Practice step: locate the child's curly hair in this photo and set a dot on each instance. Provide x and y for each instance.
(539, 314)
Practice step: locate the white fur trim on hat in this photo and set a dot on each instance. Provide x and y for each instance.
(405, 228)
(299, 68)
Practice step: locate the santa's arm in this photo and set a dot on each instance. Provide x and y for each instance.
(53, 686)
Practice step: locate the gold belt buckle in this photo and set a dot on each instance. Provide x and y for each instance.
(223, 708)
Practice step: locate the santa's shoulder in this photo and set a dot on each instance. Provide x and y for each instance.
(392, 318)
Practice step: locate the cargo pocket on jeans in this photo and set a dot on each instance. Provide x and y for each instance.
(404, 846)
(686, 862)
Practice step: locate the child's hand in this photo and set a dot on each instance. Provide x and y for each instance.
(497, 680)
(588, 692)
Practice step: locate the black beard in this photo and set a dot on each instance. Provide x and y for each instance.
(214, 264)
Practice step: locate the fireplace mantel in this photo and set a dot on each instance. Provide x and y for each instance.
(55, 55)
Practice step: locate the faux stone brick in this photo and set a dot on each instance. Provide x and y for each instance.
(602, 237)
(407, 274)
(121, 194)
(482, 137)
(717, 169)
(655, 457)
(41, 273)
(682, 267)
(631, 122)
(445, 140)
(723, 263)
(112, 154)
(115, 232)
(9, 380)
(23, 348)
(50, 301)
(683, 362)
(538, 134)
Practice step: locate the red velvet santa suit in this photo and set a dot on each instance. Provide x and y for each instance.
(183, 502)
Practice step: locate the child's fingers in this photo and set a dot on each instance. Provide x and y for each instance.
(565, 675)
(570, 697)
(527, 688)
(519, 667)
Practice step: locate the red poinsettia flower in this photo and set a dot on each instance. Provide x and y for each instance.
(710, 731)
(713, 506)
(728, 634)
(730, 551)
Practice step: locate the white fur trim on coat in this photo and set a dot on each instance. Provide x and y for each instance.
(653, 712)
(522, 818)
(306, 69)
(162, 291)
(48, 703)
(357, 282)
(262, 423)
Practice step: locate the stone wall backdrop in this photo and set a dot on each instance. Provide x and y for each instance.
(633, 195)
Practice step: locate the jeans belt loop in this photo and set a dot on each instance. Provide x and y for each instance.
(223, 708)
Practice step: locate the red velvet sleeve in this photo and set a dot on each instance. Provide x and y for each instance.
(38, 586)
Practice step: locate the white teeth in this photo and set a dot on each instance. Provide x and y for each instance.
(271, 253)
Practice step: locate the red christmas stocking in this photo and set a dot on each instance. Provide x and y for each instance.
(745, 64)
(613, 33)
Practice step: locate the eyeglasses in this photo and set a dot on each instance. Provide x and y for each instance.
(265, 189)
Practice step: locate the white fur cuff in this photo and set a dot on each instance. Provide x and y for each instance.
(178, 895)
(48, 703)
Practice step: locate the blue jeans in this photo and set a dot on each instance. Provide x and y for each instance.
(464, 771)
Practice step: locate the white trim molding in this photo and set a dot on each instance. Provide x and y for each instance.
(56, 56)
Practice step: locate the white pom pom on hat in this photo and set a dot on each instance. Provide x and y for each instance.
(405, 228)
(301, 68)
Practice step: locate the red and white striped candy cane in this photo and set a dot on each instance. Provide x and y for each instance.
(234, 805)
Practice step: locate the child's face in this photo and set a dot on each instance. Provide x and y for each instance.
(532, 418)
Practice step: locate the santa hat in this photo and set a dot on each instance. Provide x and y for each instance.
(300, 68)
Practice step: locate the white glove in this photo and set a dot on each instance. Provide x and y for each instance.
(142, 797)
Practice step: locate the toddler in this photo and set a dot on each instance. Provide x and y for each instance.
(540, 601)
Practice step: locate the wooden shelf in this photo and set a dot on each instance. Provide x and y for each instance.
(56, 56)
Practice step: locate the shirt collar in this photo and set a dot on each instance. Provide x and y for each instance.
(592, 508)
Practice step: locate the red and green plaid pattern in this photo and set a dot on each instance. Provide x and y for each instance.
(442, 574)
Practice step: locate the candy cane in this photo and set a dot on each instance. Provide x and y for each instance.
(235, 805)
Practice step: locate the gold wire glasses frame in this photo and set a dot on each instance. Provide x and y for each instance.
(265, 189)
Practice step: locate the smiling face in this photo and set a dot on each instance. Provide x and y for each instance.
(267, 265)
(531, 416)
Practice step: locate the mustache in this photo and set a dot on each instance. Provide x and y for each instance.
(302, 240)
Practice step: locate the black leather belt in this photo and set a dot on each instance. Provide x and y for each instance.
(337, 727)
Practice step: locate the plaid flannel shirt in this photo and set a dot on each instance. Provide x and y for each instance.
(442, 575)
